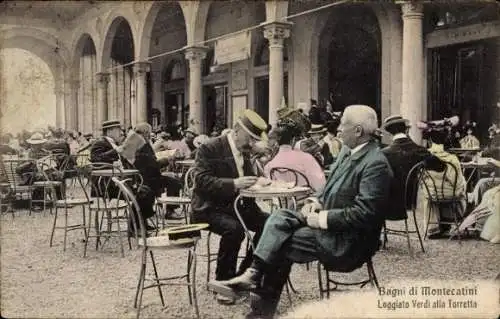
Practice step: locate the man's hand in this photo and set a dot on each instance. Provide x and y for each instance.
(493, 161)
(244, 182)
(313, 220)
(311, 206)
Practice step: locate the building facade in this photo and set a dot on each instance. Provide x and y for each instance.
(201, 62)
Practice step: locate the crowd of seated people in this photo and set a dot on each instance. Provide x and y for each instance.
(352, 201)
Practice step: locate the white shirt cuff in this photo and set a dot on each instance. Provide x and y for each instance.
(323, 219)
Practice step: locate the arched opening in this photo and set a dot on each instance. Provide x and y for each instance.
(349, 59)
(218, 107)
(27, 97)
(168, 77)
(121, 87)
(86, 110)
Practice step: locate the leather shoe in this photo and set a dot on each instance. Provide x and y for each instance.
(238, 286)
(247, 281)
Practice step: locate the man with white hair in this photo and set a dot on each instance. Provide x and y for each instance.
(340, 227)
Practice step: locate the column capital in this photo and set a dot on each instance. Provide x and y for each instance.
(277, 32)
(102, 78)
(142, 67)
(412, 9)
(195, 54)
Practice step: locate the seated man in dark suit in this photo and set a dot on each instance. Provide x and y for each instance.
(154, 183)
(402, 155)
(105, 150)
(340, 227)
(223, 167)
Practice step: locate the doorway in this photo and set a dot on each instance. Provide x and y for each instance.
(175, 110)
(349, 59)
(462, 82)
(216, 107)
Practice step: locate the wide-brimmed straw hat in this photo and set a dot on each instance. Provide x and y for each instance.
(317, 129)
(395, 119)
(36, 138)
(253, 124)
(110, 124)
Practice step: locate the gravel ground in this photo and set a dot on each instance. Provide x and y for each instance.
(42, 282)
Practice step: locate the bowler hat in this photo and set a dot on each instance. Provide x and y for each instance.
(110, 124)
(253, 124)
(395, 119)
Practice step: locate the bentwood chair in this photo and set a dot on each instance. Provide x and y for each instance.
(108, 212)
(19, 189)
(443, 193)
(326, 282)
(183, 200)
(75, 196)
(183, 237)
(51, 184)
(410, 197)
(291, 175)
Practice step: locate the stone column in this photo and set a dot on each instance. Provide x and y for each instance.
(412, 99)
(140, 71)
(102, 98)
(195, 56)
(60, 114)
(72, 108)
(276, 33)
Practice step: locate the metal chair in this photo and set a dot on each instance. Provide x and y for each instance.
(75, 196)
(412, 180)
(107, 209)
(324, 287)
(287, 174)
(440, 198)
(183, 200)
(15, 181)
(48, 168)
(165, 242)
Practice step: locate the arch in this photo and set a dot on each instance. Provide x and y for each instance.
(109, 39)
(42, 44)
(364, 26)
(174, 70)
(149, 23)
(84, 40)
(200, 18)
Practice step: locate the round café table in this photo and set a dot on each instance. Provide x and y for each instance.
(114, 172)
(476, 166)
(185, 163)
(269, 193)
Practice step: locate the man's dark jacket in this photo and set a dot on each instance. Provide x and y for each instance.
(402, 155)
(355, 195)
(214, 189)
(103, 152)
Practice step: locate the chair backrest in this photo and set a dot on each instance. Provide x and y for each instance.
(289, 175)
(189, 182)
(126, 193)
(440, 185)
(10, 165)
(411, 185)
(100, 185)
